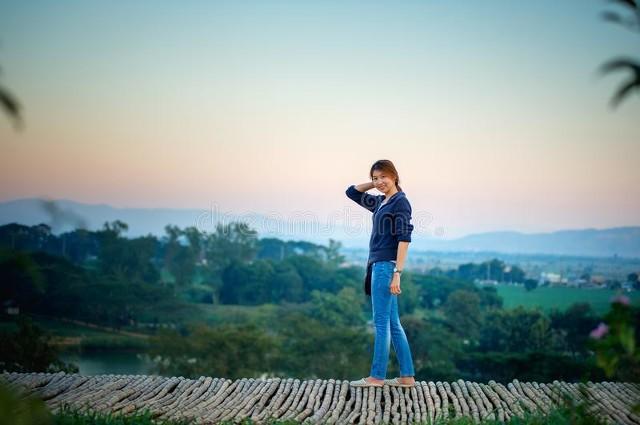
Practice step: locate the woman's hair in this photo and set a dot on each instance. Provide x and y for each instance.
(388, 167)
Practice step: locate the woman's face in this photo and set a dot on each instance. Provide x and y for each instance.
(383, 181)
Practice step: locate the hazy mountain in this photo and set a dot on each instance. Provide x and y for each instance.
(621, 241)
(64, 215)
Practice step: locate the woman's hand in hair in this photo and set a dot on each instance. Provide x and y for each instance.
(363, 187)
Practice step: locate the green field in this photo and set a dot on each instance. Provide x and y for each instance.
(548, 298)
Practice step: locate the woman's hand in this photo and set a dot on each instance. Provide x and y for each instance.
(395, 284)
(363, 187)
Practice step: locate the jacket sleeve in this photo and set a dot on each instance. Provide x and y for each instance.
(402, 222)
(362, 198)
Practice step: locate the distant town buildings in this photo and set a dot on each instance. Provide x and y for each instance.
(554, 279)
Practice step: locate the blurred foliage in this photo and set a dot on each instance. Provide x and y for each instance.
(574, 325)
(616, 347)
(11, 107)
(16, 409)
(629, 19)
(615, 343)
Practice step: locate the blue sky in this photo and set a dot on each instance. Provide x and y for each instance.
(492, 111)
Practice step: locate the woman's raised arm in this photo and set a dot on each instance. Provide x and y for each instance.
(363, 187)
(358, 194)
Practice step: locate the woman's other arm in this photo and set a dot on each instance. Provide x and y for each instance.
(403, 247)
(394, 287)
(402, 229)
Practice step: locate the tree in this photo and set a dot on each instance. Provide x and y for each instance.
(513, 274)
(516, 330)
(78, 245)
(315, 274)
(334, 258)
(463, 313)
(493, 270)
(310, 349)
(434, 349)
(29, 349)
(125, 259)
(11, 107)
(20, 279)
(229, 351)
(286, 284)
(341, 309)
(489, 298)
(231, 242)
(246, 283)
(26, 238)
(490, 270)
(434, 290)
(575, 322)
(180, 259)
(530, 284)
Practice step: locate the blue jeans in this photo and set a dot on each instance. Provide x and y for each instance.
(387, 323)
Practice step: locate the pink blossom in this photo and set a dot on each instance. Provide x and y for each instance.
(600, 331)
(622, 299)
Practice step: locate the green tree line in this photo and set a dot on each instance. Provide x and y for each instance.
(320, 321)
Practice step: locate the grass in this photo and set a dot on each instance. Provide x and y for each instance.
(565, 415)
(68, 416)
(235, 314)
(560, 298)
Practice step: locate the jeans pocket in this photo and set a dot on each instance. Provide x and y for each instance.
(383, 275)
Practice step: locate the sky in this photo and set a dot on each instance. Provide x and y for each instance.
(493, 112)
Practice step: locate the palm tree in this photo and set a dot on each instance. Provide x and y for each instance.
(11, 106)
(632, 23)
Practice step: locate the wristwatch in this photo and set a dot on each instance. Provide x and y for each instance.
(397, 270)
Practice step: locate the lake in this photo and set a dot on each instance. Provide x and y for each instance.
(108, 362)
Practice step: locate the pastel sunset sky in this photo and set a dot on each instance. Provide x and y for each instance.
(492, 111)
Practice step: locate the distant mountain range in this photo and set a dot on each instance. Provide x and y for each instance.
(620, 241)
(65, 215)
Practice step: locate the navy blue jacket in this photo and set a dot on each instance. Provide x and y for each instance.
(391, 224)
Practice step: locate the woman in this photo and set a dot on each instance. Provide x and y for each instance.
(390, 238)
